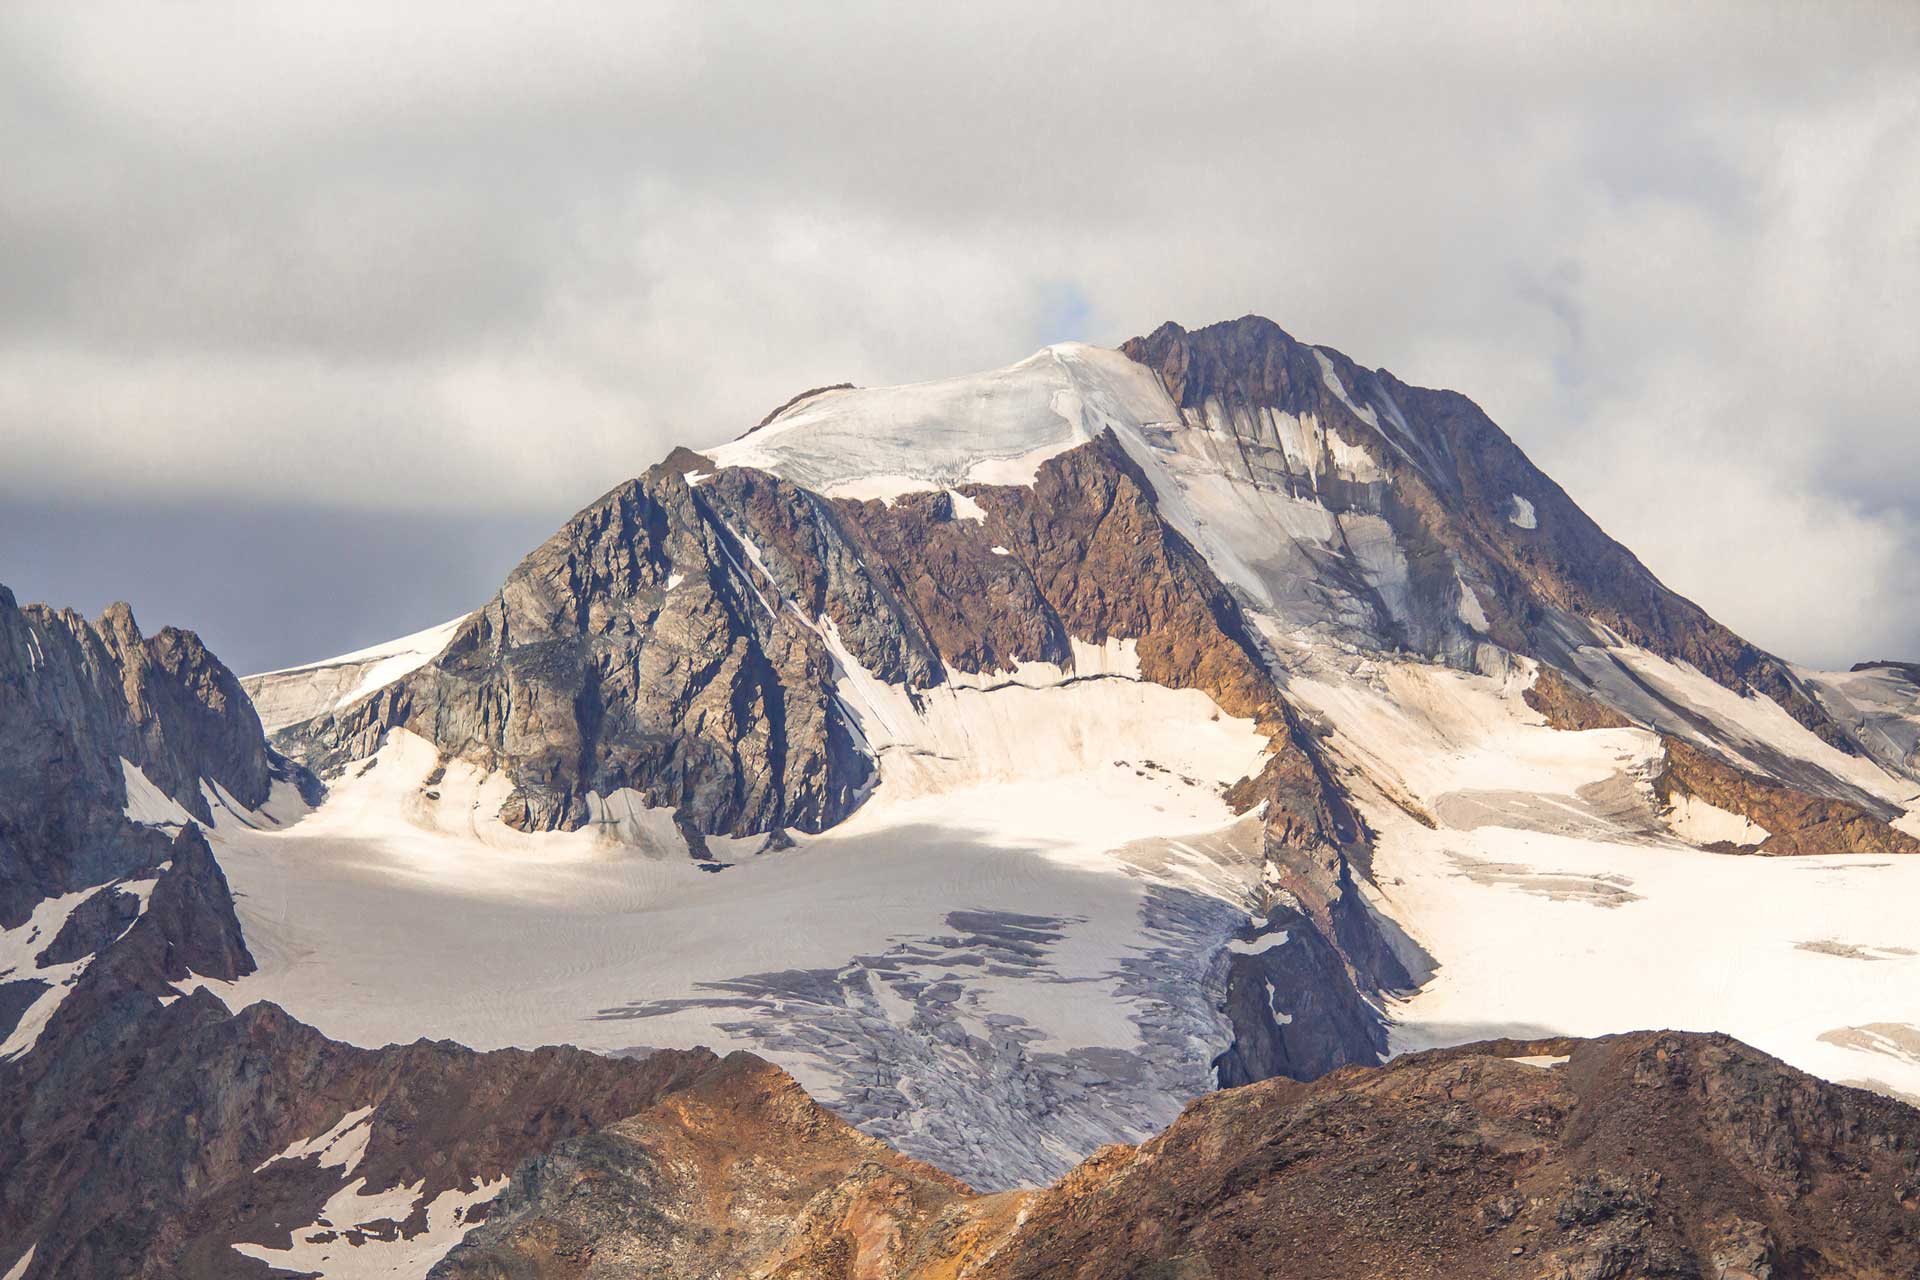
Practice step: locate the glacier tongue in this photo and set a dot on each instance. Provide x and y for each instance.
(1029, 918)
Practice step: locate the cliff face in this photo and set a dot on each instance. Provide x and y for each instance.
(78, 698)
(1653, 1154)
(629, 651)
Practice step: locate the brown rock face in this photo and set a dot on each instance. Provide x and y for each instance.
(1566, 707)
(631, 650)
(1796, 822)
(1652, 1154)
(740, 1174)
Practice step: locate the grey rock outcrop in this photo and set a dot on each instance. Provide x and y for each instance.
(77, 698)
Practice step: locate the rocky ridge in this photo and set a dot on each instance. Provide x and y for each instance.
(1475, 515)
(151, 1133)
(1651, 1154)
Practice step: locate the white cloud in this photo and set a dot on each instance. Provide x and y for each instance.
(428, 257)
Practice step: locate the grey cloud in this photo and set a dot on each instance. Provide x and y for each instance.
(435, 263)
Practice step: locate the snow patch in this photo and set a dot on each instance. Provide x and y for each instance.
(1521, 515)
(1258, 946)
(343, 1146)
(325, 1248)
(965, 508)
(1469, 610)
(1331, 378)
(1544, 1061)
(147, 804)
(1700, 823)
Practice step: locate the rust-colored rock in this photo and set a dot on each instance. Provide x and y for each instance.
(1796, 821)
(1566, 707)
(1651, 1154)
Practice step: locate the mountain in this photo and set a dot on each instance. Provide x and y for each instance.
(1004, 762)
(1318, 663)
(114, 748)
(153, 1133)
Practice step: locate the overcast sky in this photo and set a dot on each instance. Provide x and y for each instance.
(314, 317)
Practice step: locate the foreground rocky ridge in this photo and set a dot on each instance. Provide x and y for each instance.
(151, 1133)
(1652, 1154)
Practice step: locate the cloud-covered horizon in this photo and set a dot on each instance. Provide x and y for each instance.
(449, 272)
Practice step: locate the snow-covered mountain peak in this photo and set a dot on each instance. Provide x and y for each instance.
(986, 428)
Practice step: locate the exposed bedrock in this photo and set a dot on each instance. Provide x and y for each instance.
(1794, 821)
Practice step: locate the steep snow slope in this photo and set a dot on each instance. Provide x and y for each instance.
(293, 694)
(1286, 554)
